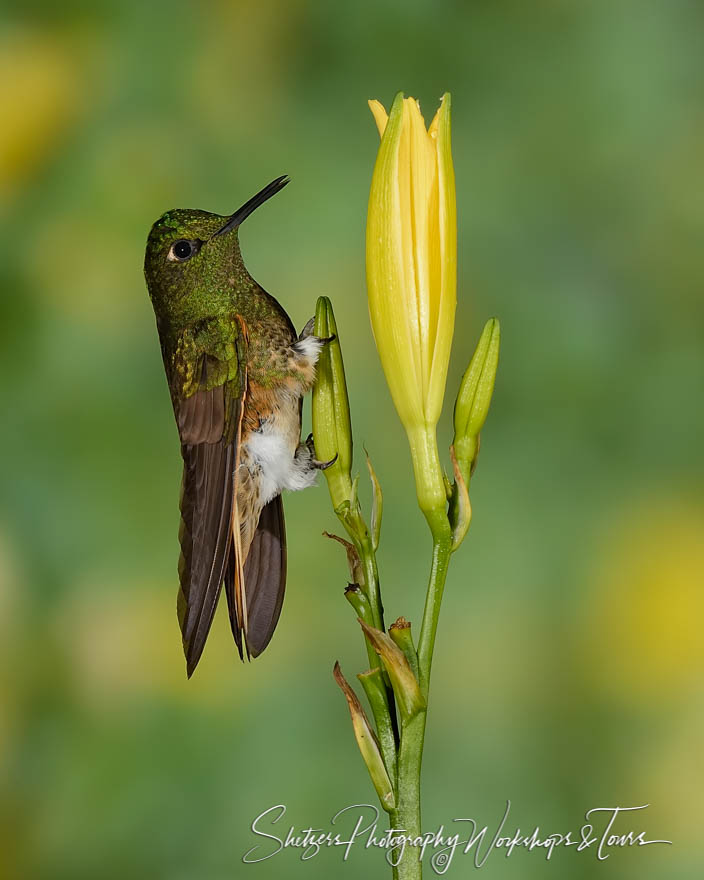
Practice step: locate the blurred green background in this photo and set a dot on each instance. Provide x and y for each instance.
(569, 665)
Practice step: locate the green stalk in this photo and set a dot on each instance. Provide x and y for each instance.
(442, 550)
(384, 715)
(361, 604)
(407, 814)
(371, 577)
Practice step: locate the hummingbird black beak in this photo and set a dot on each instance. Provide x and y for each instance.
(262, 196)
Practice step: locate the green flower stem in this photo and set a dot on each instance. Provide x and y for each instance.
(371, 577)
(442, 550)
(357, 529)
(429, 477)
(360, 602)
(406, 816)
(359, 533)
(410, 756)
(403, 750)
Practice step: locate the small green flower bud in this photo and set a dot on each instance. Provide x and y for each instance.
(409, 698)
(400, 632)
(474, 397)
(332, 429)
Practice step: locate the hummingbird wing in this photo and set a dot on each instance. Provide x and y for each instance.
(208, 380)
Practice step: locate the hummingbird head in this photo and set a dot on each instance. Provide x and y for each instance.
(193, 263)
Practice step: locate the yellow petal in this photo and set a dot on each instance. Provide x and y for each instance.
(447, 242)
(422, 241)
(393, 320)
(381, 117)
(403, 224)
(433, 127)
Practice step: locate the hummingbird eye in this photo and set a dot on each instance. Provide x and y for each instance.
(183, 249)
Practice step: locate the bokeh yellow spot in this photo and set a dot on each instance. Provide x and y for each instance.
(643, 633)
(40, 93)
(124, 646)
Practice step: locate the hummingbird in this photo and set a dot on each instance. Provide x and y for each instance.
(237, 372)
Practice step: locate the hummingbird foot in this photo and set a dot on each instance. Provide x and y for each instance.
(318, 465)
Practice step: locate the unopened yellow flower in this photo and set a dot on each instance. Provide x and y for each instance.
(412, 272)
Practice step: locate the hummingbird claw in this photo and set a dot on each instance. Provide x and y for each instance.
(318, 465)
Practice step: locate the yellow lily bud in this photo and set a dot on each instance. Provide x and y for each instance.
(412, 274)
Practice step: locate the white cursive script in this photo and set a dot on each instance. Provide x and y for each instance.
(440, 846)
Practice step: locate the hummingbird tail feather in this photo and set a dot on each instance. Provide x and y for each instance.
(263, 579)
(237, 582)
(230, 575)
(265, 576)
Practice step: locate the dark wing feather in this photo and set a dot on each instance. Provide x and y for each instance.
(265, 580)
(205, 536)
(201, 417)
(207, 417)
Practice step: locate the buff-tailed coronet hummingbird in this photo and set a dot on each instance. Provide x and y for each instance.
(237, 371)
